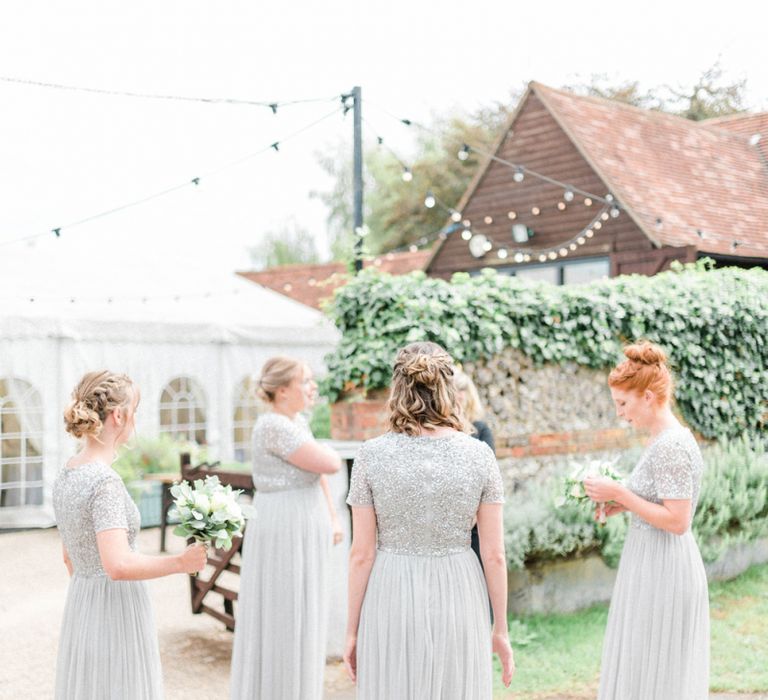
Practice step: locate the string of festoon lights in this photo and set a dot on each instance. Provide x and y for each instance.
(481, 243)
(273, 106)
(129, 299)
(56, 232)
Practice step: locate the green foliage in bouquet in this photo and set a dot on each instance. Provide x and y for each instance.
(209, 512)
(712, 322)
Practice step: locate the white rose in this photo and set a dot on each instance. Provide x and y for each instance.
(202, 503)
(577, 491)
(219, 501)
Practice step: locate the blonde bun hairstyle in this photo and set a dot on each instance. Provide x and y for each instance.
(645, 369)
(423, 391)
(93, 399)
(277, 372)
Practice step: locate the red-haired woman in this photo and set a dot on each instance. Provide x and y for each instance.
(656, 644)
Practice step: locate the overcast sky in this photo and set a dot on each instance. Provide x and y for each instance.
(67, 155)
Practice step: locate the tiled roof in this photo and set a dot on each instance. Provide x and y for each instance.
(312, 283)
(683, 182)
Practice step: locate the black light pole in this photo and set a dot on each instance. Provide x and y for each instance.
(357, 177)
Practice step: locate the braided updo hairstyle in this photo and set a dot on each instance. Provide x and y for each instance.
(94, 398)
(644, 369)
(423, 392)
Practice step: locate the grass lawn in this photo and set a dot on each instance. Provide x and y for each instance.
(559, 655)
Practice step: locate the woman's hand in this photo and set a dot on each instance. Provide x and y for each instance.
(601, 489)
(613, 509)
(350, 656)
(503, 649)
(338, 533)
(193, 558)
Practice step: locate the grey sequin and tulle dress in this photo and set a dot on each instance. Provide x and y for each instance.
(282, 607)
(425, 628)
(656, 645)
(108, 645)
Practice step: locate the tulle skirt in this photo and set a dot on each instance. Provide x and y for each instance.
(656, 644)
(425, 629)
(108, 647)
(282, 607)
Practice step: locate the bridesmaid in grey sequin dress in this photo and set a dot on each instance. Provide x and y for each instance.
(282, 607)
(108, 645)
(656, 644)
(419, 625)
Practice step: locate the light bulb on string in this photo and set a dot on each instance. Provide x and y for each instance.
(589, 232)
(552, 255)
(581, 240)
(519, 257)
(407, 174)
(605, 216)
(519, 175)
(609, 197)
(466, 234)
(488, 220)
(535, 211)
(597, 225)
(467, 223)
(563, 252)
(502, 253)
(456, 216)
(463, 154)
(561, 206)
(587, 202)
(568, 195)
(429, 200)
(542, 258)
(572, 246)
(487, 246)
(511, 215)
(615, 212)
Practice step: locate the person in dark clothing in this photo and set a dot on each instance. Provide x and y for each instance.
(473, 411)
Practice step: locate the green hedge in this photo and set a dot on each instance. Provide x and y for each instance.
(732, 507)
(713, 323)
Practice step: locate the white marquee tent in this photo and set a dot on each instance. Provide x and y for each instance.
(191, 354)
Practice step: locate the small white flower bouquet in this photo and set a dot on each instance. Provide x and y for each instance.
(573, 485)
(209, 512)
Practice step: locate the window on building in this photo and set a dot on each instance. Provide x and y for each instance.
(21, 444)
(247, 407)
(565, 272)
(182, 410)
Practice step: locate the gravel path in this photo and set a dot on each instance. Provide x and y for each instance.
(195, 649)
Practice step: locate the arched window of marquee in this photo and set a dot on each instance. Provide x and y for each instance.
(182, 410)
(246, 409)
(21, 444)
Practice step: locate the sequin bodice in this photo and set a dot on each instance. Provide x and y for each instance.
(276, 436)
(670, 468)
(425, 491)
(87, 499)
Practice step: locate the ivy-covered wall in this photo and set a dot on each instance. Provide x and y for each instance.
(713, 324)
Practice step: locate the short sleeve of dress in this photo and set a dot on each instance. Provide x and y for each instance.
(672, 469)
(108, 505)
(282, 436)
(360, 493)
(493, 490)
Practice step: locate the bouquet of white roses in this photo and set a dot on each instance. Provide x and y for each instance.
(209, 512)
(573, 485)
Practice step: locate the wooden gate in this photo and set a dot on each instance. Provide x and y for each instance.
(220, 605)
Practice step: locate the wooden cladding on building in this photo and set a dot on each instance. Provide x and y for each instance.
(538, 142)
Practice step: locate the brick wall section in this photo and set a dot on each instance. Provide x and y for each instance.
(363, 419)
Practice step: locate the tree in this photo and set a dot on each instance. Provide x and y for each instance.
(290, 243)
(710, 96)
